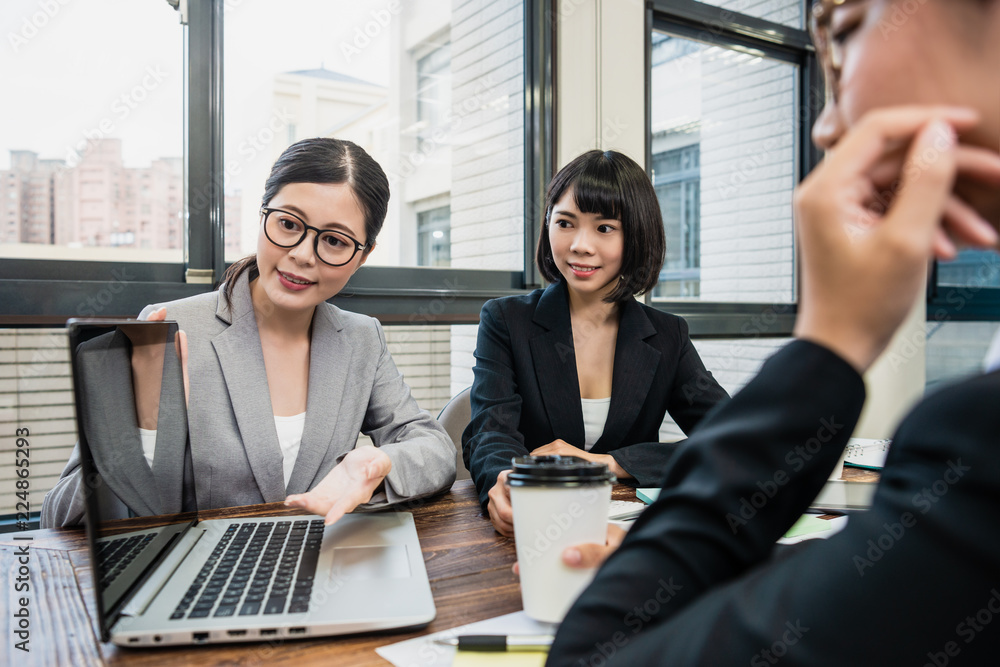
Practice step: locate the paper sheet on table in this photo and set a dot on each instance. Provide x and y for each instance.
(424, 652)
(512, 659)
(808, 523)
(647, 495)
(810, 526)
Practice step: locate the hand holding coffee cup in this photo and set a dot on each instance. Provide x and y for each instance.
(590, 554)
(558, 502)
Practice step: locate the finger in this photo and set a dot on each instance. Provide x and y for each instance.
(861, 148)
(943, 247)
(182, 353)
(503, 504)
(982, 164)
(297, 500)
(516, 568)
(965, 225)
(339, 509)
(376, 470)
(501, 518)
(310, 502)
(157, 315)
(585, 555)
(926, 185)
(502, 526)
(615, 535)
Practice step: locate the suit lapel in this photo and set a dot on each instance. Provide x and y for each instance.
(329, 363)
(127, 473)
(242, 360)
(554, 360)
(635, 367)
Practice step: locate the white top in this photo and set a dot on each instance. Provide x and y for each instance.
(289, 438)
(595, 414)
(992, 360)
(148, 439)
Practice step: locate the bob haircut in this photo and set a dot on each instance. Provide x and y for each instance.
(613, 186)
(325, 160)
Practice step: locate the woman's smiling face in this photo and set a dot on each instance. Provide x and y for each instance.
(294, 279)
(586, 248)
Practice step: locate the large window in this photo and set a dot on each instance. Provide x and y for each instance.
(729, 117)
(91, 143)
(733, 92)
(433, 94)
(724, 141)
(974, 269)
(956, 350)
(132, 150)
(433, 90)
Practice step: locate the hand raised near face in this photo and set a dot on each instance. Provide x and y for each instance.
(863, 264)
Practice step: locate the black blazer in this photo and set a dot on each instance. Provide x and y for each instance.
(526, 393)
(913, 581)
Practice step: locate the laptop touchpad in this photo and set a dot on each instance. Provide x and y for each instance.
(385, 562)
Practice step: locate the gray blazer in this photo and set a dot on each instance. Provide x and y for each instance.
(354, 387)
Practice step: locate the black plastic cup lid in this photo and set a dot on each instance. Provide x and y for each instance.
(557, 471)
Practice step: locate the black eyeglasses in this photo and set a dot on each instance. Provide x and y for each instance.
(286, 230)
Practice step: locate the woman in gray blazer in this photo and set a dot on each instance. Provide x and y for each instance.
(280, 382)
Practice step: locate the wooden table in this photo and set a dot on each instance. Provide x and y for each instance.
(860, 475)
(467, 562)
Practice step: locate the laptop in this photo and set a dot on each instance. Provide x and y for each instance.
(187, 581)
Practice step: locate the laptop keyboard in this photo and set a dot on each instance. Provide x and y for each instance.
(256, 568)
(115, 555)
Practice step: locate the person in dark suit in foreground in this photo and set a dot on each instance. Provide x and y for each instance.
(581, 368)
(915, 580)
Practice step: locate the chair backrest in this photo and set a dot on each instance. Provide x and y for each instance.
(455, 417)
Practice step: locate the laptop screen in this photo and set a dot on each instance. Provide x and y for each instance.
(132, 425)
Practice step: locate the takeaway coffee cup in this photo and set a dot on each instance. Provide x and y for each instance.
(558, 501)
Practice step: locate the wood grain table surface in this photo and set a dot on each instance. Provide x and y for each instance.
(469, 566)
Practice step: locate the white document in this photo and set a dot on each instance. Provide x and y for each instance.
(424, 652)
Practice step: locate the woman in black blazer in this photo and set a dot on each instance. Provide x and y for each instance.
(581, 368)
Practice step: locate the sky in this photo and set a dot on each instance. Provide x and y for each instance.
(77, 68)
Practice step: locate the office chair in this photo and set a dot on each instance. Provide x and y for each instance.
(455, 417)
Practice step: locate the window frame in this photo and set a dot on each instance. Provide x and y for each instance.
(689, 18)
(430, 227)
(36, 292)
(686, 179)
(729, 29)
(960, 303)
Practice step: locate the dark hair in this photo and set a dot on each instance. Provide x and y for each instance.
(613, 186)
(325, 160)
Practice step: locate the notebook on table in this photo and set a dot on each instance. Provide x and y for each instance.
(222, 580)
(867, 453)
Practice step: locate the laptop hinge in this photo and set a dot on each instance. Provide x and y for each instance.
(144, 596)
